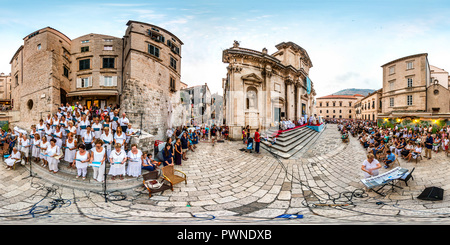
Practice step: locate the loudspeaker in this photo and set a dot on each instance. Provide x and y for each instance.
(432, 194)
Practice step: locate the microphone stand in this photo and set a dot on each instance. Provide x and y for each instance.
(30, 161)
(104, 178)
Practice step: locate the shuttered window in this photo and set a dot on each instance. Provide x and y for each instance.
(108, 81)
(85, 64)
(153, 50)
(84, 82)
(173, 63)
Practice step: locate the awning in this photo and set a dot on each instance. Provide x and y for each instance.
(94, 92)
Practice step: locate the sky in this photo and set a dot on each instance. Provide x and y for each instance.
(347, 40)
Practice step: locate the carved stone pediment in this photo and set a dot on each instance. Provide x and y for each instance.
(252, 78)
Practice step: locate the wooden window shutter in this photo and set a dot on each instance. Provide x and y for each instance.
(114, 81)
(102, 80)
(78, 82)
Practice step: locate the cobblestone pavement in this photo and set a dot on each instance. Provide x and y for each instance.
(229, 186)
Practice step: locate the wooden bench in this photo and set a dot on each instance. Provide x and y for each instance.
(169, 174)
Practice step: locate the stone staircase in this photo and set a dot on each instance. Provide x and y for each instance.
(289, 143)
(66, 177)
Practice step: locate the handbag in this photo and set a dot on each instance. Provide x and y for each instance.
(153, 184)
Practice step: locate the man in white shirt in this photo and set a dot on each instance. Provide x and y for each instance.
(129, 132)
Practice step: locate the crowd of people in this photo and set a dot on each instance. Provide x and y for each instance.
(385, 145)
(92, 137)
(180, 140)
(285, 124)
(84, 138)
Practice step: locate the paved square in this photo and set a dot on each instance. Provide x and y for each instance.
(227, 185)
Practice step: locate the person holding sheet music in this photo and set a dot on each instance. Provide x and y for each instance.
(57, 135)
(35, 153)
(97, 128)
(107, 139)
(53, 151)
(48, 132)
(44, 146)
(83, 124)
(107, 123)
(135, 158)
(117, 158)
(40, 128)
(25, 148)
(98, 157)
(70, 148)
(63, 123)
(71, 129)
(81, 161)
(88, 138)
(119, 137)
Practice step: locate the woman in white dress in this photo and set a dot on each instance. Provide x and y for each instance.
(71, 149)
(35, 153)
(135, 158)
(88, 138)
(53, 151)
(99, 155)
(19, 142)
(117, 158)
(97, 128)
(71, 129)
(25, 149)
(58, 135)
(81, 161)
(63, 124)
(44, 145)
(83, 124)
(120, 137)
(107, 123)
(40, 128)
(107, 139)
(15, 155)
(48, 132)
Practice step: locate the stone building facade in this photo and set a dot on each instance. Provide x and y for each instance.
(197, 103)
(262, 89)
(337, 106)
(412, 88)
(368, 107)
(5, 89)
(96, 70)
(38, 81)
(140, 72)
(151, 77)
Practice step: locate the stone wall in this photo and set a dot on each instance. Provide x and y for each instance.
(137, 97)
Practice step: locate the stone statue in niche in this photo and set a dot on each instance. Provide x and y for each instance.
(251, 99)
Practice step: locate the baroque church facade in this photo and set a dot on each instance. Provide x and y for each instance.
(261, 89)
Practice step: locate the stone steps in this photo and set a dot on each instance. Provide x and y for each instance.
(291, 142)
(66, 177)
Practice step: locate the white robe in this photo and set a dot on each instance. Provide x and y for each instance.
(10, 161)
(134, 163)
(117, 168)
